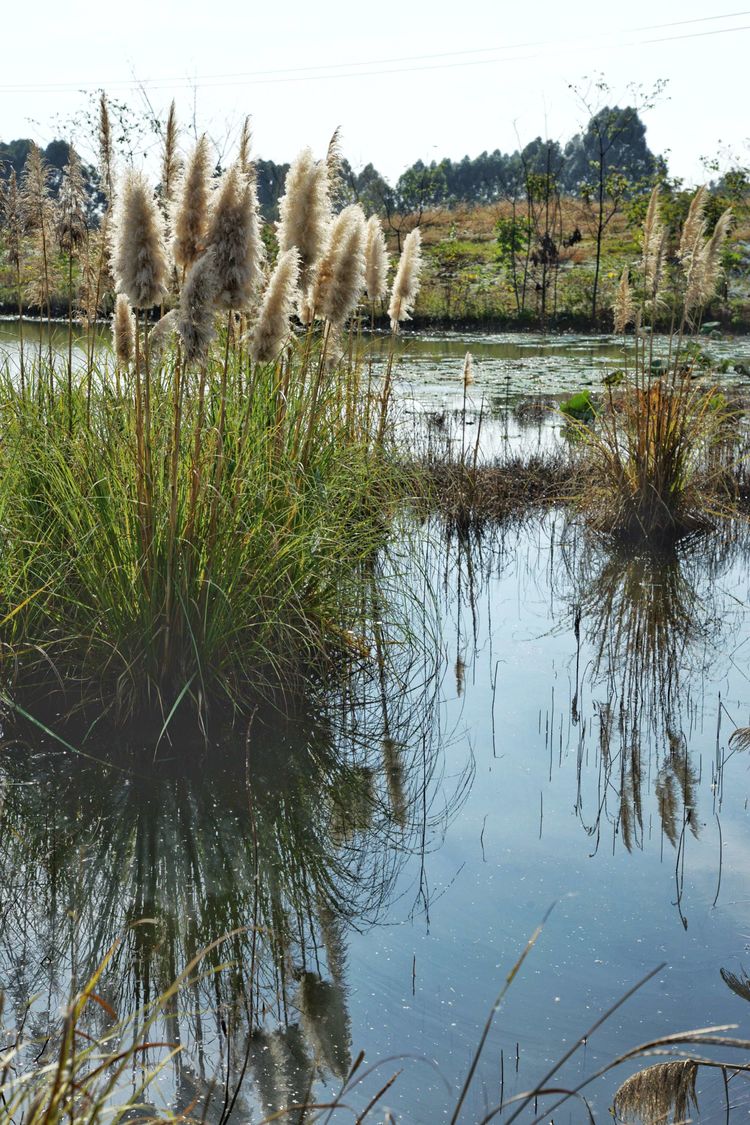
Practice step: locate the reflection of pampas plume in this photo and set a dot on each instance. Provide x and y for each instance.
(394, 774)
(140, 261)
(190, 217)
(123, 330)
(293, 1069)
(271, 331)
(340, 276)
(353, 805)
(406, 282)
(331, 931)
(658, 1092)
(376, 261)
(196, 318)
(326, 1023)
(305, 212)
(234, 235)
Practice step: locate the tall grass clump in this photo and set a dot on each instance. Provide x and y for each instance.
(651, 452)
(184, 522)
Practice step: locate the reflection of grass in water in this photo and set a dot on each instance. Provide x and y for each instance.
(283, 840)
(648, 620)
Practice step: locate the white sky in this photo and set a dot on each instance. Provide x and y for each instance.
(402, 80)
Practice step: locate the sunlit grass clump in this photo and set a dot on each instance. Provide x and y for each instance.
(183, 523)
(653, 469)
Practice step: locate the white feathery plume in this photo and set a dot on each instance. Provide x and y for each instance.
(711, 255)
(171, 165)
(271, 331)
(234, 235)
(196, 317)
(406, 282)
(123, 330)
(653, 247)
(376, 261)
(305, 212)
(139, 260)
(624, 306)
(190, 212)
(162, 334)
(340, 276)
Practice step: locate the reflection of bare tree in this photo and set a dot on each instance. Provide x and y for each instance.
(281, 840)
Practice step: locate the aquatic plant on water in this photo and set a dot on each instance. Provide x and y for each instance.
(185, 522)
(653, 475)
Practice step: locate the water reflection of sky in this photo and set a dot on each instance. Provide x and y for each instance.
(398, 949)
(522, 840)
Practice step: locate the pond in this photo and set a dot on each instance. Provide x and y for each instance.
(541, 733)
(562, 738)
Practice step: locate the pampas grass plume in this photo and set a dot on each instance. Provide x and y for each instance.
(12, 220)
(106, 150)
(694, 227)
(123, 330)
(171, 165)
(140, 261)
(659, 1093)
(711, 255)
(653, 246)
(272, 328)
(340, 277)
(406, 282)
(190, 214)
(376, 261)
(243, 154)
(162, 334)
(624, 306)
(305, 212)
(196, 316)
(234, 235)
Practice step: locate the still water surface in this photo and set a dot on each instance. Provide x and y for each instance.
(562, 737)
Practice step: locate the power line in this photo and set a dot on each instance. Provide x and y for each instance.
(699, 19)
(350, 69)
(698, 34)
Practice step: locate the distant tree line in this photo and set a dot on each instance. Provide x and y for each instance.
(481, 179)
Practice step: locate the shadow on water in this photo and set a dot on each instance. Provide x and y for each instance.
(285, 837)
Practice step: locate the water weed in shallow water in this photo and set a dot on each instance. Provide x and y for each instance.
(652, 475)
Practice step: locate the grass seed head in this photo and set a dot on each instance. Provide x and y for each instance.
(340, 277)
(272, 328)
(376, 261)
(140, 261)
(123, 330)
(406, 282)
(235, 238)
(305, 212)
(196, 317)
(190, 215)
